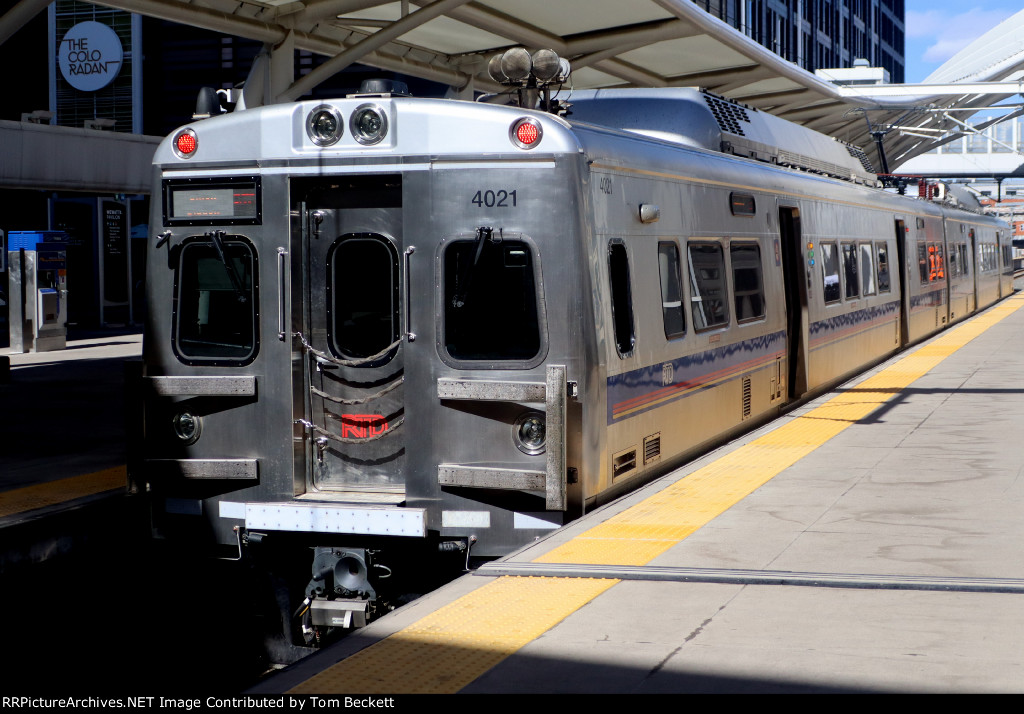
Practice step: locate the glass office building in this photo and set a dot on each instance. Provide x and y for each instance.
(821, 34)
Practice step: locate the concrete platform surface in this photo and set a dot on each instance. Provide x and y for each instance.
(907, 523)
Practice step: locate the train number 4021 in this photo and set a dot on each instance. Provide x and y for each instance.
(494, 199)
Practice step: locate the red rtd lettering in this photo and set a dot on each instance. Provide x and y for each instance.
(362, 426)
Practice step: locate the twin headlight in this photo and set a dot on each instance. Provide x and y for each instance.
(368, 124)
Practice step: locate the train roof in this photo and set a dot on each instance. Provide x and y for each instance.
(697, 118)
(684, 116)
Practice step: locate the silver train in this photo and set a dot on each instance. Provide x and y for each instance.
(387, 334)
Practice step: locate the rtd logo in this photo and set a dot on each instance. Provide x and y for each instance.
(362, 426)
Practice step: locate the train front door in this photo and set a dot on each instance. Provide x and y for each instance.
(353, 372)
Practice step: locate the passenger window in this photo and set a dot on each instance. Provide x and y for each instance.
(850, 270)
(830, 272)
(922, 261)
(707, 280)
(965, 265)
(867, 270)
(362, 296)
(671, 291)
(936, 264)
(490, 300)
(215, 310)
(882, 252)
(748, 290)
(622, 298)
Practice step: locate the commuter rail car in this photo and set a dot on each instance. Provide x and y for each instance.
(384, 331)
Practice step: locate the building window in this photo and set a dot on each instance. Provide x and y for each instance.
(977, 143)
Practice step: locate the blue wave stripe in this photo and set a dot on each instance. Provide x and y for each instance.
(641, 390)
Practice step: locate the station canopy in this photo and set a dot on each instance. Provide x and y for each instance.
(620, 43)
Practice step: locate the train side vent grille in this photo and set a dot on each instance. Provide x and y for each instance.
(727, 114)
(858, 153)
(746, 397)
(652, 448)
(623, 462)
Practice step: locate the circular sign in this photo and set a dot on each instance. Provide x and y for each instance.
(90, 56)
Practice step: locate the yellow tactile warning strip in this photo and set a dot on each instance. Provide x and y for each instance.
(62, 490)
(448, 649)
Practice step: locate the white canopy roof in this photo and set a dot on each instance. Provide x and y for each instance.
(610, 43)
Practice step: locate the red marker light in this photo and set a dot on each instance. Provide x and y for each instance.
(185, 144)
(526, 133)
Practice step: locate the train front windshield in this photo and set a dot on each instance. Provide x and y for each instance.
(490, 301)
(215, 310)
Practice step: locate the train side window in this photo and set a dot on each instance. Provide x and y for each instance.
(922, 261)
(954, 262)
(867, 270)
(936, 263)
(850, 270)
(989, 259)
(882, 253)
(709, 301)
(215, 317)
(830, 272)
(671, 291)
(965, 264)
(622, 298)
(362, 296)
(490, 300)
(747, 285)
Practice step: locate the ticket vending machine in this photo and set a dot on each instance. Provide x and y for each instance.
(37, 290)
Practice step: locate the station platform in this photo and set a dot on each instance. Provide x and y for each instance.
(868, 541)
(62, 431)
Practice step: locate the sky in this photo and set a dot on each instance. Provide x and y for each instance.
(937, 29)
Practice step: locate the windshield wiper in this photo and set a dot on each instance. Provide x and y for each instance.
(217, 238)
(483, 234)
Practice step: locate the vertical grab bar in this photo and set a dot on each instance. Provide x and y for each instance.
(555, 394)
(409, 334)
(282, 280)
